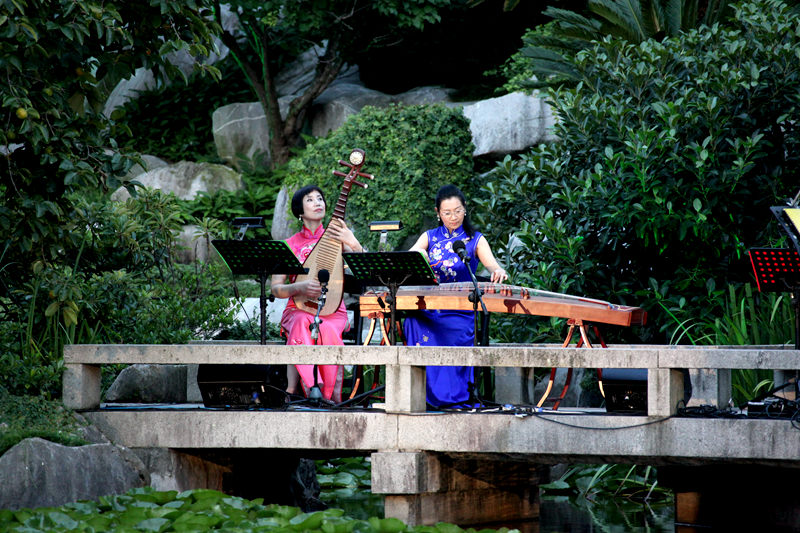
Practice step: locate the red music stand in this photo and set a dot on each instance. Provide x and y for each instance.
(778, 270)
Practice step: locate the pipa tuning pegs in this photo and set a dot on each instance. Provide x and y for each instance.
(362, 185)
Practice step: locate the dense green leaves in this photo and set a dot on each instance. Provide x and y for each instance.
(58, 60)
(120, 283)
(546, 59)
(199, 510)
(411, 151)
(671, 155)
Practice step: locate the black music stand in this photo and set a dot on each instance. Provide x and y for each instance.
(390, 270)
(262, 258)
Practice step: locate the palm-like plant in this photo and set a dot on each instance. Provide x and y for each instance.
(550, 54)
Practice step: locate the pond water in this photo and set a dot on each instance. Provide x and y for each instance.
(557, 515)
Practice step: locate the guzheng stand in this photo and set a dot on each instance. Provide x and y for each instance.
(262, 258)
(390, 270)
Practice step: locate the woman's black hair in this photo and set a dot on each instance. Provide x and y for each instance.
(451, 191)
(297, 199)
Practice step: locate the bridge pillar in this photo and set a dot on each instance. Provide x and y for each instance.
(664, 391)
(405, 389)
(81, 386)
(424, 488)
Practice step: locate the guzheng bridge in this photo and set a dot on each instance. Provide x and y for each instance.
(477, 467)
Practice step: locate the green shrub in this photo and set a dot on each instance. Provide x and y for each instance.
(122, 285)
(411, 151)
(671, 154)
(24, 417)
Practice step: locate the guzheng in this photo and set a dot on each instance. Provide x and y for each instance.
(500, 298)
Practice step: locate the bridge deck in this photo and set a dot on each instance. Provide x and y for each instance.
(466, 468)
(548, 437)
(403, 424)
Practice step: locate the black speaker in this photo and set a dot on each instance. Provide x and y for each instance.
(625, 390)
(242, 386)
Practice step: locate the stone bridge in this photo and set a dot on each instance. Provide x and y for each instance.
(477, 467)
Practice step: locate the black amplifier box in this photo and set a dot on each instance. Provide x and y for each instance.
(625, 390)
(242, 386)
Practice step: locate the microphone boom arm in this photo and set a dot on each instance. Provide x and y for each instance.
(477, 294)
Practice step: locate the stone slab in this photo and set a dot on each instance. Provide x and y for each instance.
(547, 437)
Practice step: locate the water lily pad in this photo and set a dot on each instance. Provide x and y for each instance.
(155, 525)
(307, 521)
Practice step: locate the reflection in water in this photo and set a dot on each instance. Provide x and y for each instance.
(561, 515)
(557, 515)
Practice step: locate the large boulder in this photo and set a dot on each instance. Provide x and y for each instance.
(39, 473)
(149, 162)
(509, 123)
(145, 383)
(338, 102)
(193, 248)
(297, 76)
(174, 470)
(185, 179)
(283, 221)
(241, 133)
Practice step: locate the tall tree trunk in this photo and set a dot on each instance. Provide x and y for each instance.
(284, 132)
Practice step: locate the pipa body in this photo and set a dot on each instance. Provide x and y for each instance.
(327, 253)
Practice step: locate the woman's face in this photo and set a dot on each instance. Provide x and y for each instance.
(451, 211)
(313, 206)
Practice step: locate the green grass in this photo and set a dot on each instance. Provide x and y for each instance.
(23, 417)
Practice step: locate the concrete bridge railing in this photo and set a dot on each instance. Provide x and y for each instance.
(470, 468)
(405, 366)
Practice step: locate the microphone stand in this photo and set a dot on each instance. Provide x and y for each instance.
(315, 393)
(475, 296)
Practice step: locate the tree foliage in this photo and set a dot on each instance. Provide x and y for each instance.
(122, 284)
(276, 30)
(411, 151)
(55, 59)
(671, 154)
(547, 56)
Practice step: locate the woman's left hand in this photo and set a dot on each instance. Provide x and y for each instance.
(499, 275)
(341, 232)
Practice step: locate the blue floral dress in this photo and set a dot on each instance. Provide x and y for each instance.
(446, 385)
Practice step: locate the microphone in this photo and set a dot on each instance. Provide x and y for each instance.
(324, 277)
(461, 249)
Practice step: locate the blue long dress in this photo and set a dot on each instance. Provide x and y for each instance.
(446, 385)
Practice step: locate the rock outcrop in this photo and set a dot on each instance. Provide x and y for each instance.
(149, 384)
(186, 178)
(510, 123)
(39, 473)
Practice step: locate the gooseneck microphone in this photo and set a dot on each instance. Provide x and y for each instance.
(461, 249)
(324, 277)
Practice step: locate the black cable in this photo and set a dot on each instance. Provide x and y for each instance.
(361, 396)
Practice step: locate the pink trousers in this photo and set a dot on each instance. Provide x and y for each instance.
(295, 322)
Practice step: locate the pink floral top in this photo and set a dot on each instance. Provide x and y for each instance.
(301, 244)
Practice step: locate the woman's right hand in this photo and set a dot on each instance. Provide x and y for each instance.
(309, 289)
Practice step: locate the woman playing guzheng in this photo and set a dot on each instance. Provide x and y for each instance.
(449, 386)
(308, 204)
